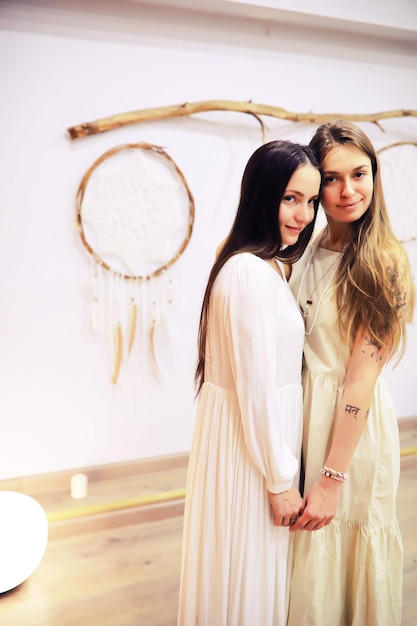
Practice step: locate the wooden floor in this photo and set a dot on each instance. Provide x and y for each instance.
(117, 570)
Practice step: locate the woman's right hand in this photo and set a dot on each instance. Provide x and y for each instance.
(287, 506)
(321, 505)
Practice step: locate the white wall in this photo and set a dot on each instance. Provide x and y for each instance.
(67, 63)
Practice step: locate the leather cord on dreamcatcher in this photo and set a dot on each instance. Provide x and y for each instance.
(135, 216)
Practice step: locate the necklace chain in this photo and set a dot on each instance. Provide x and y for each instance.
(306, 275)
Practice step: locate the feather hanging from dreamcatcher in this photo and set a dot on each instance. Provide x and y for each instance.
(135, 215)
(132, 315)
(160, 327)
(117, 327)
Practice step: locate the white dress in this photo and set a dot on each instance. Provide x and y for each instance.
(349, 573)
(246, 440)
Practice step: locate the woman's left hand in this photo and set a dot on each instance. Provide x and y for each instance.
(287, 506)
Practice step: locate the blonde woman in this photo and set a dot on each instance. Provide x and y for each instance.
(356, 294)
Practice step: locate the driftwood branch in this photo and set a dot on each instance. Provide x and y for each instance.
(257, 110)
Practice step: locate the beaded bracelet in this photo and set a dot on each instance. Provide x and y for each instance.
(331, 473)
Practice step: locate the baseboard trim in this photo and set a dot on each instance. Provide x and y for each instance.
(406, 424)
(112, 471)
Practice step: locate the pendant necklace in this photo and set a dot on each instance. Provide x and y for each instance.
(309, 292)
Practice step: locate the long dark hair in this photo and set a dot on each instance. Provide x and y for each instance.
(256, 227)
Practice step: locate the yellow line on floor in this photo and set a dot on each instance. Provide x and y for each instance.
(408, 451)
(129, 503)
(107, 507)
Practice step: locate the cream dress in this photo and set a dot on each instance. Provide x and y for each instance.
(350, 572)
(247, 439)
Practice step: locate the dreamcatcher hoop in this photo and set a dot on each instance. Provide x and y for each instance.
(157, 150)
(125, 295)
(404, 221)
(396, 145)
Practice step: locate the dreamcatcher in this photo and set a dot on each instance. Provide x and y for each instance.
(135, 216)
(398, 169)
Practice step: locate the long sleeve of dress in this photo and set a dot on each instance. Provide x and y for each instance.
(255, 308)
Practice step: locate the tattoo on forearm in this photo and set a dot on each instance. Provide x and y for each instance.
(352, 410)
(375, 352)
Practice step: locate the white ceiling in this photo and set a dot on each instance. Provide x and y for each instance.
(376, 18)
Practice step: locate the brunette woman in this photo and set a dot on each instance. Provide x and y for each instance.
(244, 461)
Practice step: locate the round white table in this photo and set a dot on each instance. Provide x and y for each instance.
(23, 538)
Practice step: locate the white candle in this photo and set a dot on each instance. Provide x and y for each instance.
(79, 486)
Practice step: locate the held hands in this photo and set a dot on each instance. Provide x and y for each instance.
(287, 506)
(321, 505)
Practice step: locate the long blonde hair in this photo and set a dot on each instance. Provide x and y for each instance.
(374, 285)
